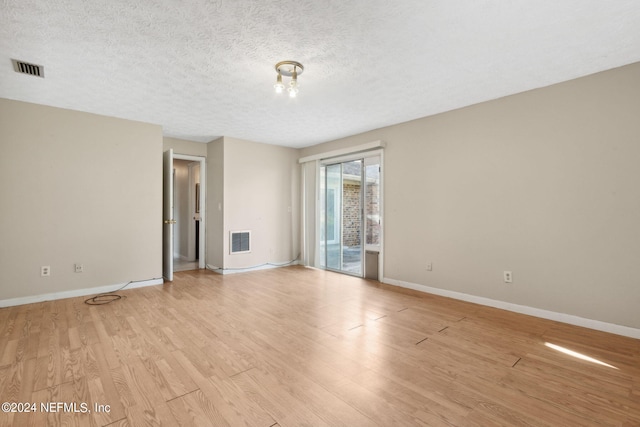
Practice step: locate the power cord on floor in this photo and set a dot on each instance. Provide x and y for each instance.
(109, 297)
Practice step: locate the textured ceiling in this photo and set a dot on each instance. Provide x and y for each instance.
(204, 68)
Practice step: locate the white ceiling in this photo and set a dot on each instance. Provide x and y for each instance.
(205, 68)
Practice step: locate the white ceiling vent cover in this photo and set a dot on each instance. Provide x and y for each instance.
(240, 242)
(26, 68)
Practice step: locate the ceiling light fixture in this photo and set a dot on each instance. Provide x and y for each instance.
(289, 69)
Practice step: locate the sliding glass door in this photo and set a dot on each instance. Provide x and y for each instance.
(333, 217)
(349, 213)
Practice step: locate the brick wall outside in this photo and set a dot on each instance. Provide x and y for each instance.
(372, 226)
(351, 215)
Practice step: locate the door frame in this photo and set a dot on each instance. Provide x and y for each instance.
(320, 163)
(167, 247)
(203, 204)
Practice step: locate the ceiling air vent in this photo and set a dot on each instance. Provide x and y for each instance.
(240, 242)
(26, 68)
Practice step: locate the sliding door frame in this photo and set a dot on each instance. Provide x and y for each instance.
(343, 159)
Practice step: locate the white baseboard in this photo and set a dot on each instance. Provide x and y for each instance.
(523, 309)
(77, 293)
(245, 270)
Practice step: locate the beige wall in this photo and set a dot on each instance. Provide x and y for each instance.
(181, 146)
(77, 188)
(543, 183)
(261, 194)
(215, 203)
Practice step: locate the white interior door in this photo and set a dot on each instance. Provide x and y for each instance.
(167, 215)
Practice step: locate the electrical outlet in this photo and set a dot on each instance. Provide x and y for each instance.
(79, 268)
(45, 271)
(508, 277)
(429, 266)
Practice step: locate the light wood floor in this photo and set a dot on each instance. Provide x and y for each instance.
(295, 346)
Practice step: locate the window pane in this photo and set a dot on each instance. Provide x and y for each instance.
(372, 204)
(352, 217)
(333, 211)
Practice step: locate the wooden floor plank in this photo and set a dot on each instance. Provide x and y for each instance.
(296, 346)
(229, 400)
(279, 402)
(326, 405)
(431, 408)
(9, 354)
(194, 409)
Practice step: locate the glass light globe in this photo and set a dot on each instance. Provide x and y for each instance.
(279, 86)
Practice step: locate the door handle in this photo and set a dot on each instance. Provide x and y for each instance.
(170, 221)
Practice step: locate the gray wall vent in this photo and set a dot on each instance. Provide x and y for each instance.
(26, 68)
(240, 242)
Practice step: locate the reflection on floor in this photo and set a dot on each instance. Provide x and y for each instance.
(184, 265)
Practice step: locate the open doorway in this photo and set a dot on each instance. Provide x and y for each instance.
(186, 186)
(184, 181)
